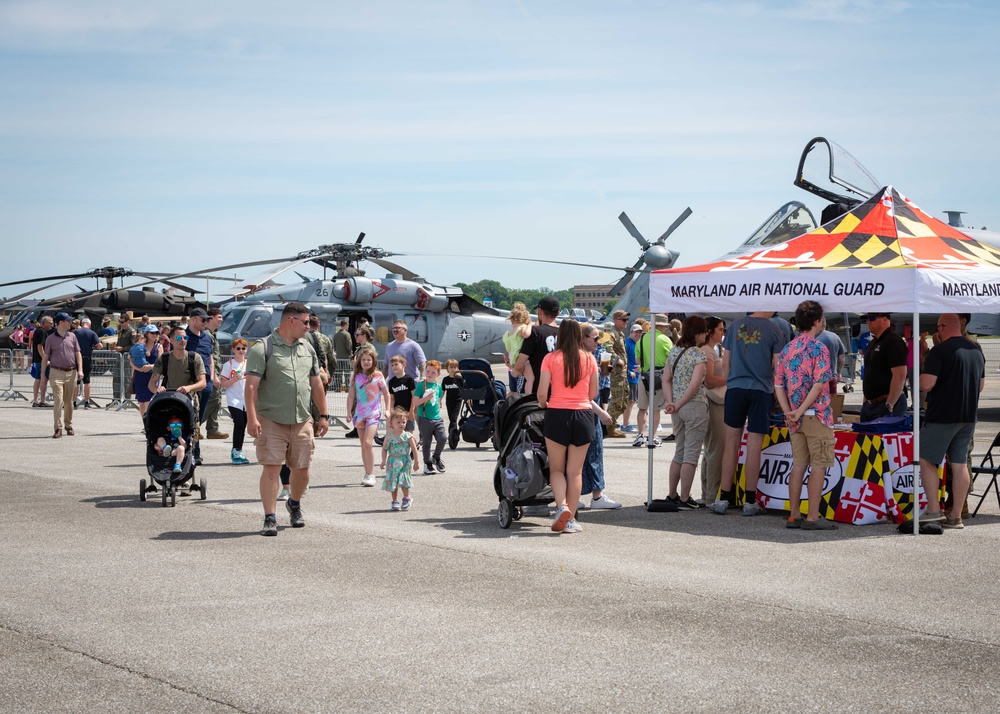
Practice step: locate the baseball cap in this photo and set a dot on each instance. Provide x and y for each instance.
(549, 303)
(635, 327)
(198, 312)
(63, 317)
(873, 315)
(620, 313)
(150, 328)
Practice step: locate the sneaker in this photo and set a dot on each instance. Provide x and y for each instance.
(932, 517)
(242, 457)
(439, 465)
(394, 506)
(669, 437)
(218, 435)
(368, 480)
(604, 502)
(177, 468)
(563, 515)
(167, 451)
(198, 461)
(185, 491)
(407, 502)
(629, 428)
(270, 527)
(234, 456)
(284, 495)
(754, 509)
(688, 505)
(657, 441)
(352, 434)
(429, 470)
(950, 522)
(295, 515)
(572, 526)
(640, 440)
(719, 507)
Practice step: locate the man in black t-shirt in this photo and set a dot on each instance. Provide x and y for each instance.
(885, 370)
(40, 385)
(954, 374)
(540, 342)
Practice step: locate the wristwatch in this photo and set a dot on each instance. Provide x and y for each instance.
(325, 416)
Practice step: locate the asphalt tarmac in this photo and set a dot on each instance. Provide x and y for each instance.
(110, 604)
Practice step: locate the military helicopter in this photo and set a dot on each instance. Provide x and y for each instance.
(97, 303)
(443, 320)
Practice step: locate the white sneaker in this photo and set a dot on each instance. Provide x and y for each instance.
(639, 440)
(563, 516)
(284, 495)
(368, 480)
(753, 509)
(719, 506)
(572, 526)
(604, 502)
(581, 506)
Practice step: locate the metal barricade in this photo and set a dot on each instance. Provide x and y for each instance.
(8, 362)
(22, 380)
(111, 379)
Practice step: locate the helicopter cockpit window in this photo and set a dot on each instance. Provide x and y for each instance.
(233, 320)
(258, 324)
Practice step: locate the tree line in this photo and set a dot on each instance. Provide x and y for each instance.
(504, 298)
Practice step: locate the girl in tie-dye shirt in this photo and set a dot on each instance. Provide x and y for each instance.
(369, 400)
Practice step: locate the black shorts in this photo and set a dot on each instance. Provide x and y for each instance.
(748, 406)
(569, 427)
(88, 363)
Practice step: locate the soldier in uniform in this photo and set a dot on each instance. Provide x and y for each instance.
(619, 372)
(324, 352)
(215, 401)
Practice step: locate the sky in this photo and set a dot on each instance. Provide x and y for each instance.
(181, 135)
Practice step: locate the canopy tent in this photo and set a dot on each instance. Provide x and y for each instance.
(885, 254)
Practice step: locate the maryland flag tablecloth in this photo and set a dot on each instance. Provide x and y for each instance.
(870, 481)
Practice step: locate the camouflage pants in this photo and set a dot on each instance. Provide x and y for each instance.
(619, 395)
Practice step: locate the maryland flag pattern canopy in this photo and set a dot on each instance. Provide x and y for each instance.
(885, 254)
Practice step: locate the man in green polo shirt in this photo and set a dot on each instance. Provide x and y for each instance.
(279, 387)
(646, 354)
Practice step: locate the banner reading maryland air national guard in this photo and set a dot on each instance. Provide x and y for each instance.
(884, 254)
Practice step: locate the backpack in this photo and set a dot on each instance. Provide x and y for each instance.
(161, 363)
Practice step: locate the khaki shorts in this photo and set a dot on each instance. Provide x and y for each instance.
(290, 444)
(813, 443)
(659, 397)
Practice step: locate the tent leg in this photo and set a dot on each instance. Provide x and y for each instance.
(915, 405)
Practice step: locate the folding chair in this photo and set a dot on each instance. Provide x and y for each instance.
(991, 467)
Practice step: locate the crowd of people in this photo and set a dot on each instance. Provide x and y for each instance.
(711, 381)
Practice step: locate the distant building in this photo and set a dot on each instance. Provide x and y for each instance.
(595, 297)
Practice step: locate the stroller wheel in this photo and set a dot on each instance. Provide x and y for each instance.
(173, 496)
(518, 513)
(142, 489)
(204, 488)
(166, 490)
(505, 513)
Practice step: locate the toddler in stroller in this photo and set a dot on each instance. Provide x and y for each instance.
(176, 445)
(521, 475)
(169, 461)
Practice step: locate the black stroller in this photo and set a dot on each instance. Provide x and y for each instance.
(162, 408)
(521, 476)
(480, 394)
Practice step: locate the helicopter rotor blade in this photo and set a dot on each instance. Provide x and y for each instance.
(361, 237)
(625, 278)
(673, 226)
(60, 278)
(630, 227)
(394, 268)
(565, 262)
(31, 293)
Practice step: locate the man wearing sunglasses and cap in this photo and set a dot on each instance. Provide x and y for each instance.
(885, 370)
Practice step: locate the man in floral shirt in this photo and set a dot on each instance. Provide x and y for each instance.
(801, 385)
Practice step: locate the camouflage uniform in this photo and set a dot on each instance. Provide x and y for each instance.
(619, 375)
(325, 353)
(215, 401)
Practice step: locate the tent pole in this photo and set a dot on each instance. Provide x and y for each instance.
(915, 404)
(650, 407)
